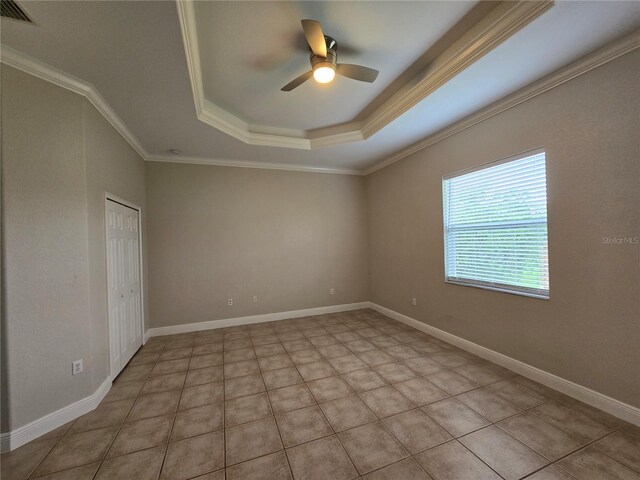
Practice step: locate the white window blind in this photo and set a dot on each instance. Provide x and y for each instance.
(495, 226)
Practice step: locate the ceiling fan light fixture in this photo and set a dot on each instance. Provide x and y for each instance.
(324, 73)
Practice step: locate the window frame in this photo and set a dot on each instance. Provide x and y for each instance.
(496, 287)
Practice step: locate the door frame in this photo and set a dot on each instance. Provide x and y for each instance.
(114, 198)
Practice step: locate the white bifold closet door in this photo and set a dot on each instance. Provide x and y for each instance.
(124, 283)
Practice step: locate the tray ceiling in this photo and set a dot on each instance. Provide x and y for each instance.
(133, 54)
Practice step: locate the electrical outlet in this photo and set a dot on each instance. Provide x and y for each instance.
(413, 301)
(76, 367)
(331, 291)
(229, 301)
(255, 299)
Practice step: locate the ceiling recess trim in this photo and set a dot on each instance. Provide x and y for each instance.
(48, 73)
(32, 66)
(581, 66)
(36, 68)
(499, 24)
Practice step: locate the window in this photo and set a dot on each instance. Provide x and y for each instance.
(495, 226)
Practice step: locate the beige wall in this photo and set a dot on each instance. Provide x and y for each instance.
(219, 232)
(589, 331)
(59, 155)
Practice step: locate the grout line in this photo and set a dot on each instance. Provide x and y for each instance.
(294, 326)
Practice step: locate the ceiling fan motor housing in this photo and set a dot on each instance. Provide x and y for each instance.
(332, 56)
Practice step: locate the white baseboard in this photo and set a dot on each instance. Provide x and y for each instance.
(18, 437)
(267, 317)
(610, 405)
(146, 336)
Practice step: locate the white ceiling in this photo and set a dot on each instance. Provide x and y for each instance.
(249, 50)
(134, 55)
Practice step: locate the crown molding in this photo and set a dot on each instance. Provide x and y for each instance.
(36, 68)
(502, 22)
(244, 164)
(32, 66)
(581, 66)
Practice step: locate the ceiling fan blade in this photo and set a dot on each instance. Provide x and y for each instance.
(357, 72)
(315, 37)
(297, 82)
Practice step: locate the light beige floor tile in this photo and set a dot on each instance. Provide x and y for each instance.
(251, 440)
(207, 348)
(194, 456)
(321, 459)
(302, 425)
(455, 417)
(201, 395)
(423, 366)
(623, 446)
(451, 382)
(141, 465)
(107, 414)
(141, 435)
(509, 458)
(240, 369)
(571, 421)
(480, 373)
(302, 357)
(275, 362)
(85, 472)
(551, 473)
(592, 464)
(421, 391)
(316, 370)
(371, 447)
(241, 386)
(329, 388)
(283, 377)
(154, 405)
(517, 393)
(270, 467)
(407, 469)
(360, 346)
(170, 366)
(402, 352)
(347, 412)
(491, 406)
(363, 380)
(333, 351)
(123, 390)
(201, 376)
(239, 355)
(175, 353)
(416, 431)
(164, 383)
(386, 401)
(19, 463)
(395, 372)
(295, 345)
(79, 449)
(135, 373)
(290, 398)
(376, 357)
(347, 363)
(540, 436)
(449, 359)
(246, 409)
(196, 421)
(452, 461)
(264, 340)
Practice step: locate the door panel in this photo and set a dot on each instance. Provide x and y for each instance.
(124, 284)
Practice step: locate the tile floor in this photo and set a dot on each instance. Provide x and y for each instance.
(332, 397)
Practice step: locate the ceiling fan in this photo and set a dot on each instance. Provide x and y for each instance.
(324, 60)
